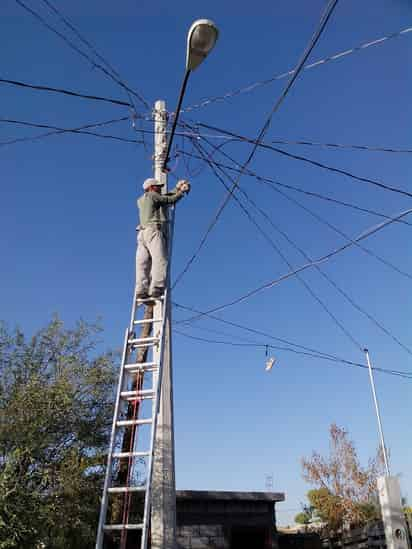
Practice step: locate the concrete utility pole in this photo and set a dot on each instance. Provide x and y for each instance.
(163, 515)
(201, 39)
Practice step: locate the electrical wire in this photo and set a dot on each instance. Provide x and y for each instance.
(75, 130)
(81, 52)
(272, 182)
(312, 43)
(205, 314)
(56, 131)
(404, 375)
(65, 92)
(319, 218)
(86, 42)
(308, 50)
(260, 83)
(69, 25)
(221, 333)
(314, 352)
(338, 146)
(93, 49)
(258, 143)
(322, 259)
(327, 277)
(276, 248)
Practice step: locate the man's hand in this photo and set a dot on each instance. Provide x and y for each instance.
(183, 186)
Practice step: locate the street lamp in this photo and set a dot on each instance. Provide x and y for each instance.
(201, 38)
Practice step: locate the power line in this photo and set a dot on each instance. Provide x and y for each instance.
(308, 50)
(56, 130)
(371, 148)
(302, 268)
(230, 193)
(271, 182)
(405, 375)
(202, 328)
(314, 352)
(318, 63)
(65, 92)
(280, 141)
(86, 42)
(322, 23)
(205, 314)
(59, 130)
(305, 284)
(81, 52)
(312, 162)
(331, 281)
(319, 218)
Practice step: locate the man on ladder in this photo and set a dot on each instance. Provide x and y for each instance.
(151, 255)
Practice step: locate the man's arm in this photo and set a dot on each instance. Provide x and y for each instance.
(169, 198)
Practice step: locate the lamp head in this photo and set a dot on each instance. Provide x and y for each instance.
(201, 39)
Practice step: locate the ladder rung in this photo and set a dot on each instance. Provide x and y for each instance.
(147, 320)
(125, 489)
(149, 299)
(135, 395)
(129, 422)
(151, 339)
(143, 366)
(120, 455)
(123, 526)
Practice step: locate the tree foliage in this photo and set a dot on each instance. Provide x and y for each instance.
(56, 395)
(346, 492)
(303, 518)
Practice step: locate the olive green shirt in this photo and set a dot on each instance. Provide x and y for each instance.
(152, 206)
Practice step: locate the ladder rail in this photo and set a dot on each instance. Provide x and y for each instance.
(134, 307)
(105, 498)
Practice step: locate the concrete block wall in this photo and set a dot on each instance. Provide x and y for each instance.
(201, 536)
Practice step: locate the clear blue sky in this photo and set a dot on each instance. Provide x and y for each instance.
(68, 219)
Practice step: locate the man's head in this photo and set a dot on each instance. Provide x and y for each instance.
(152, 184)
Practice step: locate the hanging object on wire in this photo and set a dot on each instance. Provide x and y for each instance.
(270, 360)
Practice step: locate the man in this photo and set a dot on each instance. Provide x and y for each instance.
(151, 256)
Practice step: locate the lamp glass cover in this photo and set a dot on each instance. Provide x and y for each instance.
(203, 38)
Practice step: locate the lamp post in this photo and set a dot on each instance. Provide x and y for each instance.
(378, 415)
(396, 532)
(201, 38)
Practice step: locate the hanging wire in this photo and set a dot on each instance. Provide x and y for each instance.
(323, 61)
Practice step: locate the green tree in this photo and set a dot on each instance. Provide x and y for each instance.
(346, 492)
(56, 403)
(303, 518)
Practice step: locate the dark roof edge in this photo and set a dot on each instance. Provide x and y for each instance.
(226, 496)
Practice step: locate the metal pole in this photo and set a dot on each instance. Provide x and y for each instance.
(172, 133)
(163, 516)
(375, 399)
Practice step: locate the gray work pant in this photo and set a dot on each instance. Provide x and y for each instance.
(151, 259)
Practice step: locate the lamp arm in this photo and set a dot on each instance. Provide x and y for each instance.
(179, 104)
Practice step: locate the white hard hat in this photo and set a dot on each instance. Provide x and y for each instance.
(151, 182)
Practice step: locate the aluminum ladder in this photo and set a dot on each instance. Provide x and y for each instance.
(127, 491)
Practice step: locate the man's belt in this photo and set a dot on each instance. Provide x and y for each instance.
(152, 225)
